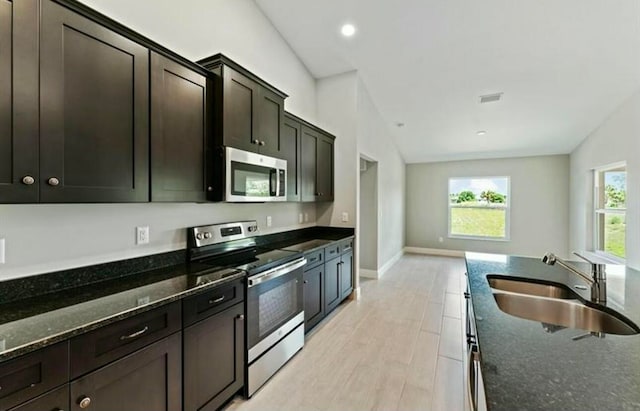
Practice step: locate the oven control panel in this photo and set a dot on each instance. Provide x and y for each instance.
(218, 233)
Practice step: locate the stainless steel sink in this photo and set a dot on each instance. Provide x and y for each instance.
(563, 312)
(522, 286)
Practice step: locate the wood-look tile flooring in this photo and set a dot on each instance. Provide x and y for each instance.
(398, 348)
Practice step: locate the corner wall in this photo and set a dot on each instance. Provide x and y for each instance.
(616, 140)
(539, 220)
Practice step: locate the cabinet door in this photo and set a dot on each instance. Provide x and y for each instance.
(346, 275)
(148, 379)
(214, 359)
(56, 400)
(269, 114)
(313, 297)
(178, 132)
(290, 150)
(18, 101)
(239, 100)
(94, 111)
(324, 169)
(331, 285)
(308, 163)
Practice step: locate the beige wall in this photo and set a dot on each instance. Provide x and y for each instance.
(539, 217)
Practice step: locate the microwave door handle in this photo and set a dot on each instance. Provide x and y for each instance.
(273, 181)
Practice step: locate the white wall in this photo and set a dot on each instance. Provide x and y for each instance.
(368, 216)
(617, 139)
(41, 238)
(337, 113)
(374, 141)
(539, 204)
(237, 28)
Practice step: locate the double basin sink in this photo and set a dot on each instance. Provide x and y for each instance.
(555, 305)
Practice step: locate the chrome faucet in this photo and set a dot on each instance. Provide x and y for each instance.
(597, 280)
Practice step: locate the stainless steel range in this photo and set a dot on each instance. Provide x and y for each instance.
(274, 304)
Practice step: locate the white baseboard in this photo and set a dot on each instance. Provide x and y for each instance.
(376, 274)
(368, 273)
(434, 251)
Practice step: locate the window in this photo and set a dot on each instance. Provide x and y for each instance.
(479, 207)
(610, 195)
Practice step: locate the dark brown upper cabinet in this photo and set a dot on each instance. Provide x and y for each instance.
(19, 172)
(178, 132)
(249, 113)
(94, 111)
(291, 150)
(317, 165)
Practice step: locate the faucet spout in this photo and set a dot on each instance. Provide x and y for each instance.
(597, 279)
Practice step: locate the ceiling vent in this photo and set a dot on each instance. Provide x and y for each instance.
(490, 98)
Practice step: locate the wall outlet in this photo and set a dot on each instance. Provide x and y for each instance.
(143, 301)
(269, 221)
(345, 217)
(3, 344)
(440, 240)
(306, 217)
(1, 250)
(142, 235)
(300, 218)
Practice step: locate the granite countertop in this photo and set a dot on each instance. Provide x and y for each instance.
(526, 368)
(91, 297)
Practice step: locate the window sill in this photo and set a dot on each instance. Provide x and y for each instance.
(475, 237)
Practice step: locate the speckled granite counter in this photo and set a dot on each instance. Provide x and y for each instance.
(41, 310)
(526, 368)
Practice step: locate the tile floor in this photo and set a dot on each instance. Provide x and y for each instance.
(398, 348)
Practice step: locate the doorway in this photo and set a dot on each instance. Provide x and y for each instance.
(368, 213)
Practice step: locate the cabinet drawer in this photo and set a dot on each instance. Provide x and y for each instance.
(346, 245)
(314, 258)
(55, 400)
(111, 342)
(332, 251)
(211, 302)
(33, 374)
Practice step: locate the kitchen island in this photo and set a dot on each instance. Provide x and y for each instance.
(525, 367)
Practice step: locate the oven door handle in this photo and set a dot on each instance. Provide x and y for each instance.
(276, 272)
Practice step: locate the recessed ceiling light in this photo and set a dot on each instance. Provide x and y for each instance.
(481, 133)
(490, 98)
(399, 124)
(348, 30)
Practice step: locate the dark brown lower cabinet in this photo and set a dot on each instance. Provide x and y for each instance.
(56, 400)
(150, 379)
(214, 359)
(346, 277)
(313, 297)
(332, 284)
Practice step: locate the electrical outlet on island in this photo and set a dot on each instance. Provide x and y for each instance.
(142, 235)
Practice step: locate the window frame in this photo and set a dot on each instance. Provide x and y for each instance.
(598, 211)
(507, 218)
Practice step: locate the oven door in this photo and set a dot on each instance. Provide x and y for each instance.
(274, 306)
(252, 177)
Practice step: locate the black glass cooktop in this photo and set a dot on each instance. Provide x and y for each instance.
(252, 262)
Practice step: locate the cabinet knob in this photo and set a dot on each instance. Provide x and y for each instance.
(84, 402)
(53, 181)
(209, 188)
(241, 317)
(305, 281)
(262, 143)
(28, 180)
(256, 141)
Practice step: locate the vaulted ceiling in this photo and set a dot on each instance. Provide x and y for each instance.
(563, 66)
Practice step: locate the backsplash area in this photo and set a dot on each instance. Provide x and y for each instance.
(45, 237)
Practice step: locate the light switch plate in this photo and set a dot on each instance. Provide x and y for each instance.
(1, 250)
(269, 221)
(300, 218)
(345, 217)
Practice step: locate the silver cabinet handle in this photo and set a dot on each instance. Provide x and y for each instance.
(217, 300)
(472, 381)
(241, 317)
(135, 334)
(262, 143)
(28, 180)
(53, 181)
(255, 142)
(84, 402)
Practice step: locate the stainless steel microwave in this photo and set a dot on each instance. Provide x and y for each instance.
(251, 177)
